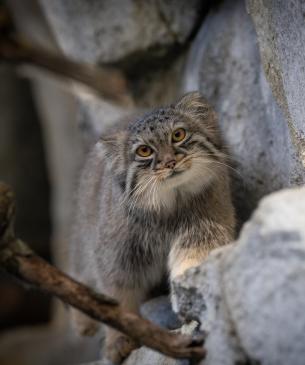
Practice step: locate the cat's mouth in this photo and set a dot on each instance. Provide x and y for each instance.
(181, 167)
(178, 170)
(171, 174)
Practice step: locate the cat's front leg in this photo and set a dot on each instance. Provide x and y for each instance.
(192, 247)
(181, 259)
(117, 345)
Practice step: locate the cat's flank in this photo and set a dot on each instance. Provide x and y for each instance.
(153, 200)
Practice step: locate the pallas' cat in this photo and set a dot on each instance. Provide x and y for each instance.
(153, 200)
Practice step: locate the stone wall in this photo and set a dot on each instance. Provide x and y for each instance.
(247, 58)
(224, 64)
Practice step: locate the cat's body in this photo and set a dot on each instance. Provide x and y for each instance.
(143, 217)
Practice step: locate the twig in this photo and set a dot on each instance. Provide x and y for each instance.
(17, 259)
(108, 82)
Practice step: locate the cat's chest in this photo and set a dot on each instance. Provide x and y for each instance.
(154, 234)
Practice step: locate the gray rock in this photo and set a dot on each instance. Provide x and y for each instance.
(104, 31)
(145, 356)
(159, 311)
(224, 64)
(250, 296)
(199, 296)
(94, 115)
(264, 279)
(281, 38)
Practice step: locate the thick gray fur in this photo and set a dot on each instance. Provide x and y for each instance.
(137, 221)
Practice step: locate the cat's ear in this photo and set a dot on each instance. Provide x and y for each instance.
(113, 144)
(196, 107)
(195, 104)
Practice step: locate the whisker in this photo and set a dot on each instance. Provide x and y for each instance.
(198, 154)
(152, 192)
(138, 193)
(228, 166)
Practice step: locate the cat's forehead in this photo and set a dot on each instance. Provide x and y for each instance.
(155, 123)
(152, 120)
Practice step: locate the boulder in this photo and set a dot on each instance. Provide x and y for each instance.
(106, 31)
(159, 311)
(250, 296)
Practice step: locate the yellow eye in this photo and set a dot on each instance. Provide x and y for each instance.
(144, 151)
(178, 135)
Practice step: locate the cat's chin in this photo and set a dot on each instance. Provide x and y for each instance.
(181, 185)
(176, 186)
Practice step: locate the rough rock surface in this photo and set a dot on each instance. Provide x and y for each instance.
(104, 31)
(224, 64)
(281, 38)
(250, 296)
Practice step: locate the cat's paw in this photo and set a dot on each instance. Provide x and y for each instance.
(119, 348)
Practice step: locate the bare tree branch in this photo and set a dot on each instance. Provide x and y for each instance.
(18, 260)
(109, 83)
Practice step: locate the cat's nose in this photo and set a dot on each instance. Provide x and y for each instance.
(170, 164)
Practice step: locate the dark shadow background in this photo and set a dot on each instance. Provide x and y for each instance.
(23, 166)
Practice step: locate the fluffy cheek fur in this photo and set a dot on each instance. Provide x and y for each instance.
(156, 190)
(197, 173)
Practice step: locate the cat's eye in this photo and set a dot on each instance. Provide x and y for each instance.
(178, 135)
(144, 151)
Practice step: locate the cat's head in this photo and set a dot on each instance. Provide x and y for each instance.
(171, 153)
